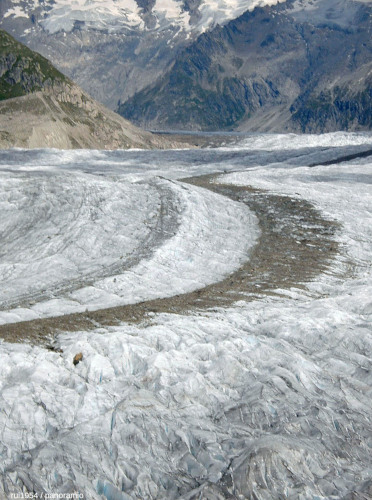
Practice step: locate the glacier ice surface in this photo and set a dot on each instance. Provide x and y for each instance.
(269, 398)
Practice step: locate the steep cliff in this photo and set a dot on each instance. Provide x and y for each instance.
(113, 49)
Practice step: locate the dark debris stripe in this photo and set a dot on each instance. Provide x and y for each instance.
(342, 159)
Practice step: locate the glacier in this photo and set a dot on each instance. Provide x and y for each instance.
(269, 397)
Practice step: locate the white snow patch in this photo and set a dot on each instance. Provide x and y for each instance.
(102, 14)
(339, 12)
(15, 11)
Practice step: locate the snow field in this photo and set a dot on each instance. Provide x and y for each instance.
(101, 14)
(279, 385)
(341, 191)
(214, 238)
(61, 229)
(282, 142)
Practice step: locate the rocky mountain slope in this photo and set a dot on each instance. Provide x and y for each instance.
(114, 49)
(23, 71)
(287, 65)
(299, 66)
(40, 107)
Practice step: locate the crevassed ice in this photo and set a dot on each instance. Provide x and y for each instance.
(266, 399)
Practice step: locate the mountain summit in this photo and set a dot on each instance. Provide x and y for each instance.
(145, 15)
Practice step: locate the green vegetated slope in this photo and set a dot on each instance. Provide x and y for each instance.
(23, 71)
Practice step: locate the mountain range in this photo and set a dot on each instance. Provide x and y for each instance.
(113, 49)
(294, 65)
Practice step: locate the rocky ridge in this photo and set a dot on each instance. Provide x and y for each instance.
(40, 107)
(293, 65)
(23, 71)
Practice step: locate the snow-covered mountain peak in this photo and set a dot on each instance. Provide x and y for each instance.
(58, 15)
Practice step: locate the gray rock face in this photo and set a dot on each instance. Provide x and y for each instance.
(105, 64)
(269, 70)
